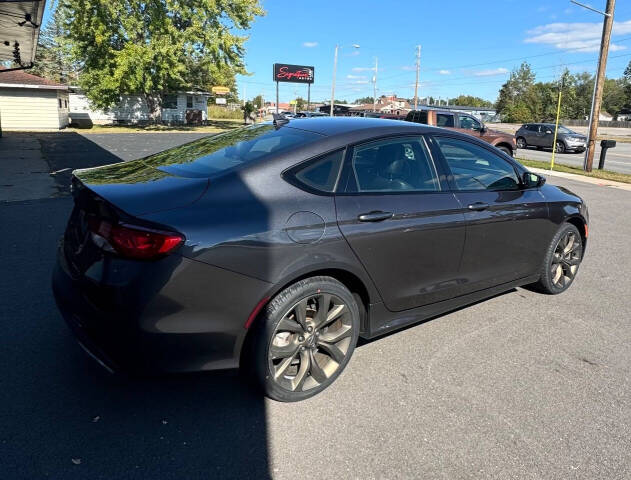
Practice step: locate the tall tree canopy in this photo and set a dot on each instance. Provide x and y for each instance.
(153, 47)
(52, 59)
(470, 101)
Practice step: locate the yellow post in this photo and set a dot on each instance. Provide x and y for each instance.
(556, 127)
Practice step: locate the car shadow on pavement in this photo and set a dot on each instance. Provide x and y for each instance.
(63, 416)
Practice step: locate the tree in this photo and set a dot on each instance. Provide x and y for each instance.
(258, 101)
(470, 101)
(52, 60)
(516, 96)
(152, 48)
(300, 104)
(248, 109)
(614, 96)
(362, 100)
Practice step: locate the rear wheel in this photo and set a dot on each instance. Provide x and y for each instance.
(521, 142)
(306, 338)
(506, 150)
(562, 260)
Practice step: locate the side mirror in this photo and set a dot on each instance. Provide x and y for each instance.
(483, 129)
(532, 180)
(549, 132)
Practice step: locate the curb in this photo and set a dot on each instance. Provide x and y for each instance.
(581, 178)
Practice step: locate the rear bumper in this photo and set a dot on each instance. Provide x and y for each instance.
(191, 319)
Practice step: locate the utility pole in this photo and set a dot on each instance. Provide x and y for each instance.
(333, 83)
(600, 81)
(418, 67)
(374, 86)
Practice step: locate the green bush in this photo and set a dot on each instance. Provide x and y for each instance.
(215, 111)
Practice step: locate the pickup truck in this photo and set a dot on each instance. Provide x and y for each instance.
(465, 123)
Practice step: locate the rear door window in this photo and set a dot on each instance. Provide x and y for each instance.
(394, 165)
(444, 120)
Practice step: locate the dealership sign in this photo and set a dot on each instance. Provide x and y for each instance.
(220, 90)
(293, 73)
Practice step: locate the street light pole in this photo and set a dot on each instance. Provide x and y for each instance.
(337, 47)
(418, 67)
(333, 84)
(374, 86)
(600, 80)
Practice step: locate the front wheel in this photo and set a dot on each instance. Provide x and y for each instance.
(560, 147)
(561, 262)
(306, 337)
(521, 142)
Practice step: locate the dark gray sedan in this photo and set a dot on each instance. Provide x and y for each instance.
(275, 247)
(541, 135)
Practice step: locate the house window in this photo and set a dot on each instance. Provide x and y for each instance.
(59, 100)
(189, 101)
(169, 101)
(65, 103)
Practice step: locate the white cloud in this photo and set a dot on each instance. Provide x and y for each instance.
(310, 44)
(360, 77)
(491, 72)
(584, 37)
(359, 82)
(363, 69)
(408, 68)
(444, 72)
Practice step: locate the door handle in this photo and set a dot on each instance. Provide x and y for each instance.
(375, 216)
(478, 206)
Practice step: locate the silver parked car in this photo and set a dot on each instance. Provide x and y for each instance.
(541, 135)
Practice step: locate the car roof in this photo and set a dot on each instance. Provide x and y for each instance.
(334, 126)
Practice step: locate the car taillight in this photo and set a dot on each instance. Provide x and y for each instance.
(132, 241)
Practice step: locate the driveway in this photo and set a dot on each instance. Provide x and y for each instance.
(519, 386)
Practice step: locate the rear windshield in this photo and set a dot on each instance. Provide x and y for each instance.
(214, 155)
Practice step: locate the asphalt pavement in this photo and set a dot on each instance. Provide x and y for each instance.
(618, 159)
(522, 385)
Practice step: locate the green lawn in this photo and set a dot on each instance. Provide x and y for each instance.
(214, 126)
(603, 174)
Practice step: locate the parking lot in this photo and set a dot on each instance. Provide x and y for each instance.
(519, 386)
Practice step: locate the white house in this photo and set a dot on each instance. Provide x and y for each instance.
(133, 108)
(29, 102)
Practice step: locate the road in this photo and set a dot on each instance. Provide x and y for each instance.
(618, 158)
(519, 386)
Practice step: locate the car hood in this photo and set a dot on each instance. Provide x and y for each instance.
(139, 187)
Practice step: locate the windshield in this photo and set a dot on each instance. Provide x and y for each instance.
(563, 129)
(217, 154)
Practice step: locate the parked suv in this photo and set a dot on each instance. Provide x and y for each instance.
(541, 135)
(464, 123)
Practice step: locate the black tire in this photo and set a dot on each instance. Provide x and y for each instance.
(283, 376)
(521, 142)
(506, 150)
(560, 148)
(559, 270)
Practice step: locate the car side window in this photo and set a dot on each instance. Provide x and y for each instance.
(394, 165)
(444, 120)
(469, 123)
(475, 168)
(321, 173)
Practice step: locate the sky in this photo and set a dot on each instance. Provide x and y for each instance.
(467, 47)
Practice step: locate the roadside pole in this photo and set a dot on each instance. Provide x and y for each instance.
(600, 80)
(308, 97)
(418, 67)
(556, 125)
(374, 86)
(333, 83)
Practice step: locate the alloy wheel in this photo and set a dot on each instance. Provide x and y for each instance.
(310, 342)
(565, 260)
(560, 148)
(521, 143)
